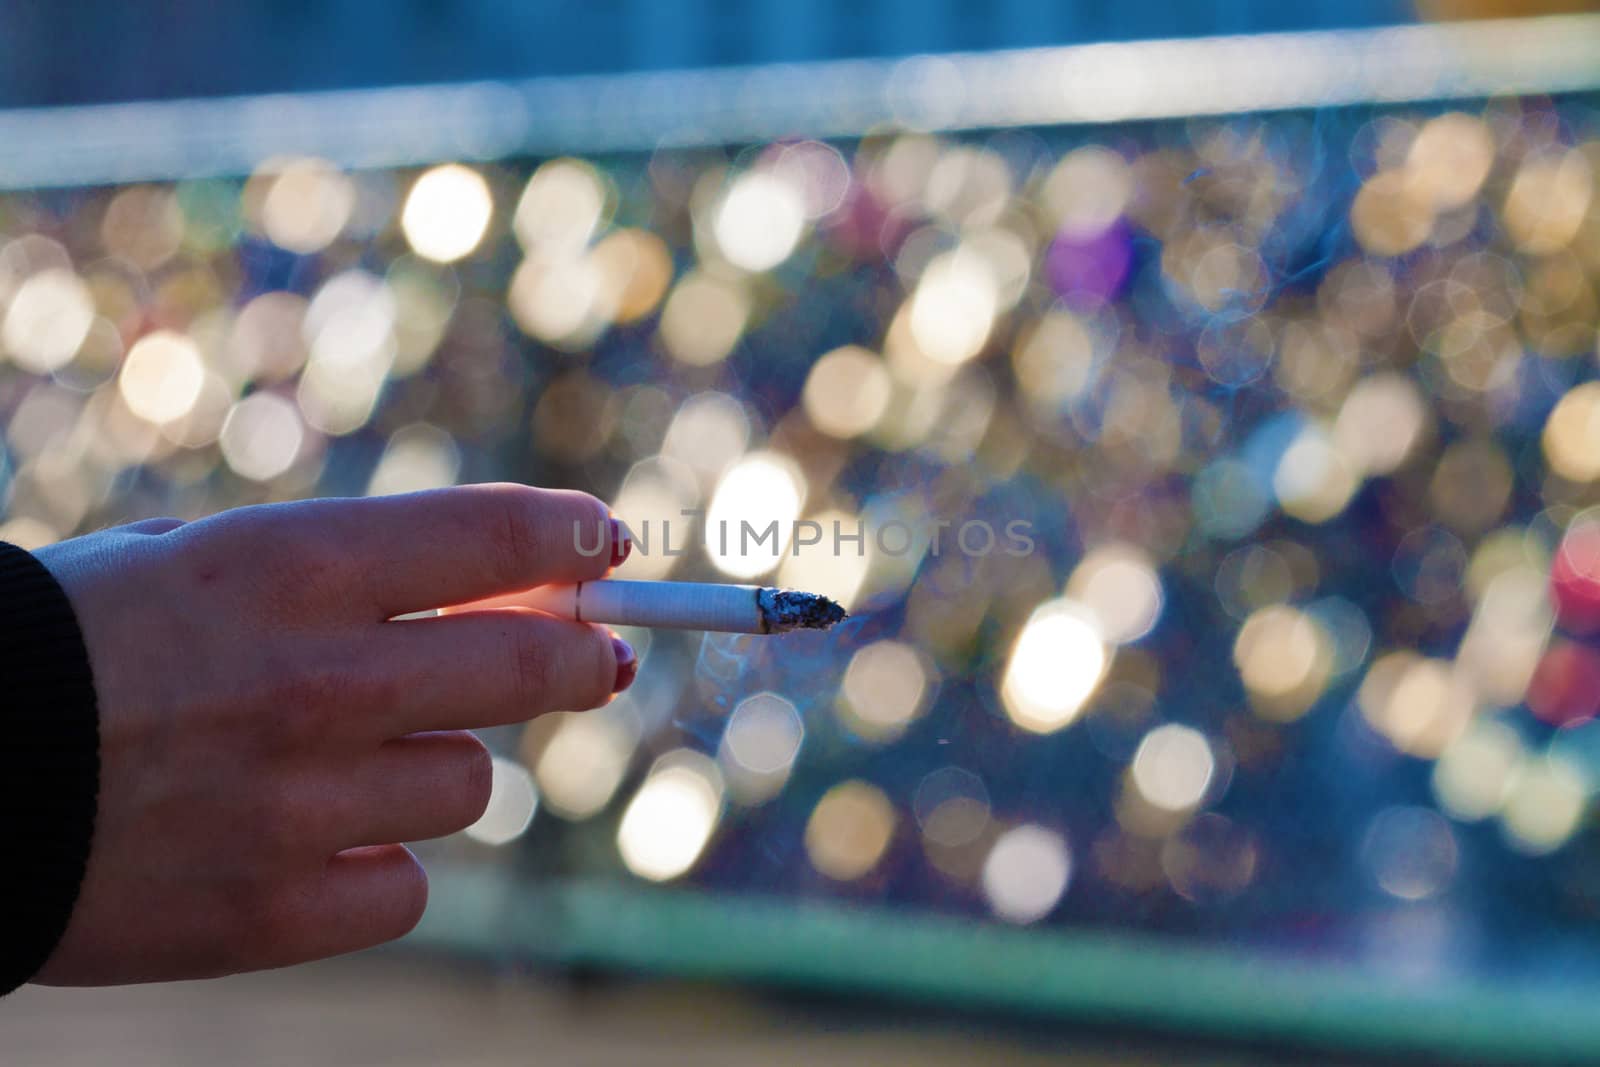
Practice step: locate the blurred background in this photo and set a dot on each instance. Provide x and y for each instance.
(1273, 328)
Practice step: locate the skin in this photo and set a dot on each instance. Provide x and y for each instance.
(270, 733)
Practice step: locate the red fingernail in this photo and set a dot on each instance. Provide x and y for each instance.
(627, 663)
(621, 543)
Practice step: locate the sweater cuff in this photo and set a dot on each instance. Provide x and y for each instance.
(49, 764)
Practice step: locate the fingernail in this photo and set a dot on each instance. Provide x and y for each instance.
(621, 543)
(627, 663)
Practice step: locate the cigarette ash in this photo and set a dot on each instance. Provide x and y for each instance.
(783, 610)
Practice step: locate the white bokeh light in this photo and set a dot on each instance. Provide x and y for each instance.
(1055, 666)
(759, 221)
(447, 213)
(759, 490)
(512, 802)
(1026, 872)
(671, 818)
(162, 376)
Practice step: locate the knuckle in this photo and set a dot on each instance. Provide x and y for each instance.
(514, 535)
(305, 697)
(288, 827)
(307, 567)
(283, 553)
(530, 668)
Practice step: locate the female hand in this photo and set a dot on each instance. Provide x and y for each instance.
(269, 735)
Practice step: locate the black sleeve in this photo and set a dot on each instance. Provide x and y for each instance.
(49, 764)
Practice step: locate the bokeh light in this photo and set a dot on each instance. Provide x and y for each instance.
(47, 320)
(162, 376)
(512, 803)
(849, 830)
(751, 515)
(1055, 665)
(446, 213)
(1173, 767)
(670, 818)
(759, 221)
(1297, 409)
(1026, 873)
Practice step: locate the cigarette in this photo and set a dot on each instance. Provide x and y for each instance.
(736, 609)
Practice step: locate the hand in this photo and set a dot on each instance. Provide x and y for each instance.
(269, 732)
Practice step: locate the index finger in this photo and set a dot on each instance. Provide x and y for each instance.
(438, 547)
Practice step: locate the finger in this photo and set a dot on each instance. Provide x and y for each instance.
(363, 897)
(415, 788)
(489, 668)
(447, 546)
(379, 557)
(151, 526)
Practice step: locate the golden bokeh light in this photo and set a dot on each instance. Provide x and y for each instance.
(1119, 586)
(847, 392)
(1088, 190)
(1545, 801)
(1380, 423)
(849, 831)
(954, 307)
(1571, 436)
(839, 575)
(1284, 660)
(1548, 200)
(419, 456)
(1421, 705)
(703, 318)
(886, 687)
(1391, 215)
(1055, 362)
(1508, 632)
(708, 435)
(636, 268)
(307, 205)
(562, 302)
(1471, 485)
(564, 204)
(967, 186)
(653, 497)
(144, 225)
(1449, 159)
(1474, 771)
(578, 759)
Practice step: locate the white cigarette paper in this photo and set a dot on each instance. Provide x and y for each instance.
(738, 609)
(675, 605)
